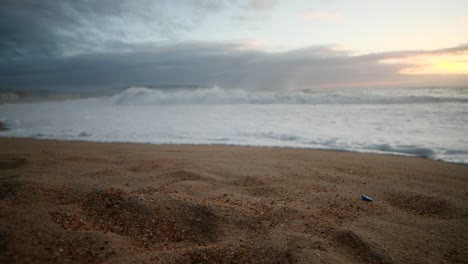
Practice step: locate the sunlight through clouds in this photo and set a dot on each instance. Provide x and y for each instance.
(433, 64)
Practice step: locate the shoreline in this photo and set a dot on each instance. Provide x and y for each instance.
(95, 202)
(396, 154)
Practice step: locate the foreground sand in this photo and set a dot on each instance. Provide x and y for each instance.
(91, 202)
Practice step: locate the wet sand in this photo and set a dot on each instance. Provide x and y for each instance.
(117, 203)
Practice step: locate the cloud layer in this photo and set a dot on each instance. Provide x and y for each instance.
(54, 28)
(226, 65)
(113, 43)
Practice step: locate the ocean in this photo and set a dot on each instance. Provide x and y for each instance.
(424, 122)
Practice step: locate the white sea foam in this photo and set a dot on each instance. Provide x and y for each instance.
(428, 122)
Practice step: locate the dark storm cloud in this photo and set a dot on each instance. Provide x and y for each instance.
(49, 28)
(71, 44)
(225, 65)
(55, 28)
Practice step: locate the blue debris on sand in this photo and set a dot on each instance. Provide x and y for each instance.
(366, 198)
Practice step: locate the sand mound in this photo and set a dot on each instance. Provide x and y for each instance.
(359, 248)
(163, 222)
(421, 204)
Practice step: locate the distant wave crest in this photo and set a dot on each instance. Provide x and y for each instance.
(219, 96)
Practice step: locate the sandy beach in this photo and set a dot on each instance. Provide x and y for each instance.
(119, 203)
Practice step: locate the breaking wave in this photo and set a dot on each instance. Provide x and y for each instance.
(218, 96)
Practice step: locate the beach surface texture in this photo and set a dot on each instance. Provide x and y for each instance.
(89, 202)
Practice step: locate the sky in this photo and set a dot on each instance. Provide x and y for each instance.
(248, 44)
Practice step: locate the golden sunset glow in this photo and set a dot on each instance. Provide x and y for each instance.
(433, 64)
